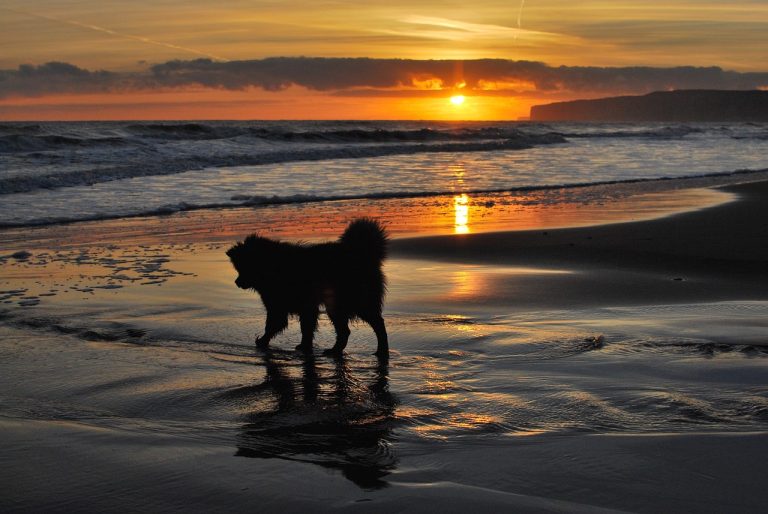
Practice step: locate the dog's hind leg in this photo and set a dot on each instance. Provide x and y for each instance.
(308, 321)
(341, 324)
(276, 323)
(377, 324)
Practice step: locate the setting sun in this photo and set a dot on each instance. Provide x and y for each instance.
(457, 99)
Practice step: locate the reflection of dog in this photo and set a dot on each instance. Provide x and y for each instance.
(345, 276)
(336, 417)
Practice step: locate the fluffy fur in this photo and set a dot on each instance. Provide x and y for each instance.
(345, 276)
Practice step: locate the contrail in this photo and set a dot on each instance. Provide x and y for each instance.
(520, 18)
(119, 34)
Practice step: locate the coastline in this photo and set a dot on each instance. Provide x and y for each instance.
(459, 213)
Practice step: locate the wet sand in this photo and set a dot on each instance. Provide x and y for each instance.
(618, 367)
(730, 237)
(712, 254)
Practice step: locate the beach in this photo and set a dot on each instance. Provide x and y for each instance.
(547, 356)
(383, 257)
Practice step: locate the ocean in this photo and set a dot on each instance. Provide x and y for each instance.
(90, 171)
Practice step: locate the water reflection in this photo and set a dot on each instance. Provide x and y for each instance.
(325, 414)
(461, 214)
(466, 283)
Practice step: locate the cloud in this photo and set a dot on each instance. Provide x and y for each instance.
(56, 77)
(365, 76)
(455, 30)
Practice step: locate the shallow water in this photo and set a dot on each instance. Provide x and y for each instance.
(157, 354)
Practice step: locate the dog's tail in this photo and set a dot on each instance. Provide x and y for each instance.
(367, 238)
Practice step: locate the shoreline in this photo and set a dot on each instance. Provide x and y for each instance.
(732, 234)
(457, 214)
(714, 250)
(640, 184)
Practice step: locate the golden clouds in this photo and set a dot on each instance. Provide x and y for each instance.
(118, 35)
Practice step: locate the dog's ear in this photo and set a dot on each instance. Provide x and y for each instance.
(234, 250)
(249, 243)
(252, 240)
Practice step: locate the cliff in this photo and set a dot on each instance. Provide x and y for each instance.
(682, 106)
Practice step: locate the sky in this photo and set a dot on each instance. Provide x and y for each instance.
(258, 59)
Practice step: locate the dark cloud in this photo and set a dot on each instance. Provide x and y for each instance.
(378, 76)
(55, 77)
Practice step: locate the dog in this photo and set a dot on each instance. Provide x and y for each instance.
(345, 276)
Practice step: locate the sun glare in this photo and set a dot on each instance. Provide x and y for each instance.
(461, 214)
(457, 99)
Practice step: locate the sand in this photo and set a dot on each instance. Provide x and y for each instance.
(711, 254)
(612, 367)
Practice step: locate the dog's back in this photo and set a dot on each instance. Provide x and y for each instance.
(354, 265)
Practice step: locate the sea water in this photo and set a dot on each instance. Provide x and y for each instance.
(55, 172)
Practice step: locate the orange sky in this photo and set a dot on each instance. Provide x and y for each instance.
(254, 103)
(130, 38)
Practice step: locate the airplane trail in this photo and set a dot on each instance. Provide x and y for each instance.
(111, 32)
(520, 18)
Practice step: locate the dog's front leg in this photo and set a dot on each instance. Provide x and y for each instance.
(308, 321)
(276, 323)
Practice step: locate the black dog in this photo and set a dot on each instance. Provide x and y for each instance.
(345, 276)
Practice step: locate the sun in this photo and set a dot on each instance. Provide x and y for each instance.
(457, 99)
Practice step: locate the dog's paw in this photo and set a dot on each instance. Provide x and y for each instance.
(262, 343)
(334, 352)
(305, 348)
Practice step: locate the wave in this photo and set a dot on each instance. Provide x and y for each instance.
(18, 143)
(761, 136)
(20, 128)
(667, 132)
(169, 166)
(176, 131)
(36, 138)
(243, 200)
(21, 138)
(392, 136)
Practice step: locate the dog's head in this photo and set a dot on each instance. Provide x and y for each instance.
(248, 258)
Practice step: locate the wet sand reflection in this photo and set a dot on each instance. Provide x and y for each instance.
(324, 413)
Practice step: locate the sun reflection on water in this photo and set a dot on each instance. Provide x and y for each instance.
(465, 283)
(461, 214)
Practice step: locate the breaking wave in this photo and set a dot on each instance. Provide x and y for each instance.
(19, 138)
(172, 165)
(667, 132)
